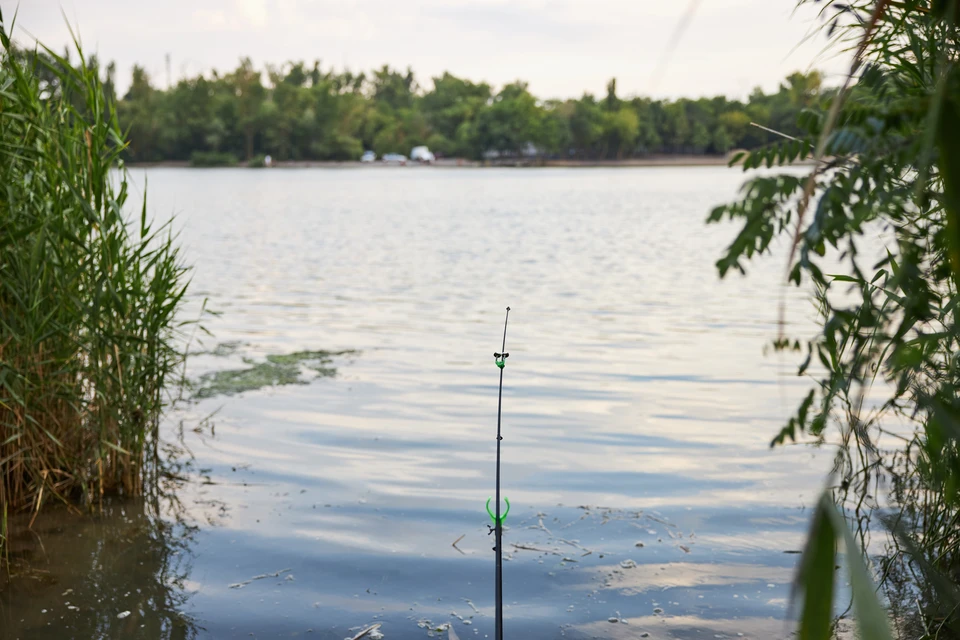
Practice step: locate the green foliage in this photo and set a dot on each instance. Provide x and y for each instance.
(88, 300)
(510, 123)
(212, 159)
(722, 141)
(621, 127)
(881, 209)
(293, 112)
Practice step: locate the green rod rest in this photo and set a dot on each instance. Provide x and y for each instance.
(493, 516)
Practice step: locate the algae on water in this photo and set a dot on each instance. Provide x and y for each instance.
(293, 368)
(222, 350)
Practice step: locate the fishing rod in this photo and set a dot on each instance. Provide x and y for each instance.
(501, 360)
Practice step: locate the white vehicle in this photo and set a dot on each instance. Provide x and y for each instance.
(422, 154)
(398, 158)
(368, 156)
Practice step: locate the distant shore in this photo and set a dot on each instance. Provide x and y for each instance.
(650, 161)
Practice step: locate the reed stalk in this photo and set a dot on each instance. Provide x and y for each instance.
(89, 336)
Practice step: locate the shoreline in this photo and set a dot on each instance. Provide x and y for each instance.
(460, 163)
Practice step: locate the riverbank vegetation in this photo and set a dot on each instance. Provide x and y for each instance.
(88, 298)
(885, 362)
(301, 111)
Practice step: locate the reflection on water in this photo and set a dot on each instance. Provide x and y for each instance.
(121, 574)
(638, 408)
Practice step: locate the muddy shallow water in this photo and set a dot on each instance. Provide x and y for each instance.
(351, 392)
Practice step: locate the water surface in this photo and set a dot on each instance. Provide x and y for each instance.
(638, 410)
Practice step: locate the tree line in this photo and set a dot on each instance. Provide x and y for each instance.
(297, 111)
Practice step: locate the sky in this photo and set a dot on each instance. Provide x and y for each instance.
(562, 48)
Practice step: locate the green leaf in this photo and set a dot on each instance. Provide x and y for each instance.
(838, 277)
(115, 447)
(871, 617)
(948, 139)
(815, 578)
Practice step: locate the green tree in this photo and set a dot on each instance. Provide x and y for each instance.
(620, 130)
(722, 142)
(555, 135)
(452, 102)
(699, 137)
(139, 110)
(394, 88)
(586, 125)
(736, 123)
(648, 136)
(307, 112)
(511, 122)
(251, 94)
(677, 126)
(612, 103)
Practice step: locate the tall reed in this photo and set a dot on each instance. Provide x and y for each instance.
(88, 297)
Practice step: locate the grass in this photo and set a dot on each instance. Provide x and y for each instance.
(88, 298)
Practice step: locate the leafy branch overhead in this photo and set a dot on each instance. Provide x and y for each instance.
(874, 226)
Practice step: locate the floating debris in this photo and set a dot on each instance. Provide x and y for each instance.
(368, 632)
(639, 545)
(240, 585)
(628, 564)
(122, 615)
(431, 628)
(527, 547)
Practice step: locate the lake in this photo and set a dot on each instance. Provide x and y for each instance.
(345, 417)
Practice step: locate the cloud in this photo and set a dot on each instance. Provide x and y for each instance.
(561, 47)
(254, 12)
(209, 20)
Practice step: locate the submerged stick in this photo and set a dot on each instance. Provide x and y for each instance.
(366, 631)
